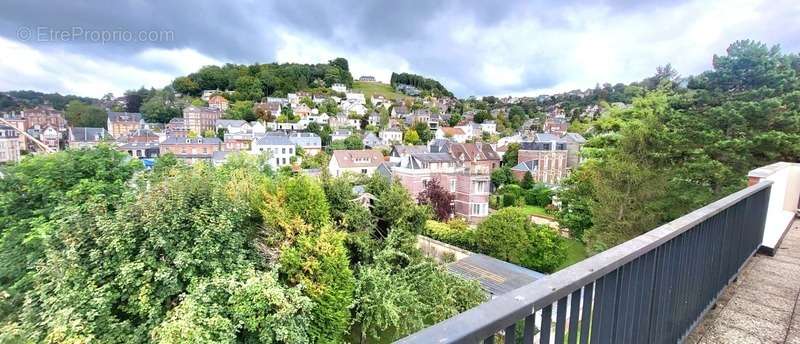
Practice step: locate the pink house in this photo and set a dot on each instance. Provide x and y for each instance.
(470, 186)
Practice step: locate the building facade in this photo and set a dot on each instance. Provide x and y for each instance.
(121, 123)
(201, 119)
(9, 144)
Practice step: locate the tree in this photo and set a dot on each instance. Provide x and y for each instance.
(411, 137)
(305, 199)
(79, 114)
(527, 181)
(186, 86)
(511, 157)
(507, 234)
(438, 199)
(424, 132)
(482, 116)
(241, 109)
(248, 88)
(502, 176)
(160, 107)
(319, 262)
(353, 142)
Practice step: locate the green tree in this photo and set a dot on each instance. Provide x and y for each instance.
(527, 181)
(319, 262)
(411, 137)
(248, 88)
(502, 176)
(424, 132)
(79, 114)
(511, 157)
(160, 107)
(353, 142)
(304, 197)
(241, 109)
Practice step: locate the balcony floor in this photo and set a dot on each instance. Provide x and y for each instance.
(762, 305)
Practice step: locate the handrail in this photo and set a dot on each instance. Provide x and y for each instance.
(490, 317)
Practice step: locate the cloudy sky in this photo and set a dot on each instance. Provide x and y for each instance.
(505, 47)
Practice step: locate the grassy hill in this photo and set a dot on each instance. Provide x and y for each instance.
(379, 88)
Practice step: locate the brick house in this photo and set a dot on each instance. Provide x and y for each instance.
(201, 119)
(44, 116)
(545, 158)
(86, 137)
(191, 149)
(121, 123)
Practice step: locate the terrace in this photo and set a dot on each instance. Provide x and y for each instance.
(696, 279)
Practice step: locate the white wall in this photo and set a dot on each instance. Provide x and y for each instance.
(783, 199)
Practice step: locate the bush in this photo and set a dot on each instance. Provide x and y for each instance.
(509, 200)
(456, 233)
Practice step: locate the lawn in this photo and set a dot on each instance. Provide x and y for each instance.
(576, 252)
(529, 210)
(379, 88)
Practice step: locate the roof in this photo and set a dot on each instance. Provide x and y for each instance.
(124, 116)
(433, 157)
(399, 150)
(526, 166)
(274, 140)
(574, 137)
(138, 145)
(174, 140)
(82, 134)
(495, 276)
(230, 122)
(546, 137)
(452, 131)
(306, 139)
(357, 158)
(473, 151)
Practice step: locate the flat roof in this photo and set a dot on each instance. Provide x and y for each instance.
(495, 276)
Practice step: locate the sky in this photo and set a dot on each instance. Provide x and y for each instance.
(479, 48)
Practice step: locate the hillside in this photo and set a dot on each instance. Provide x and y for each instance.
(379, 88)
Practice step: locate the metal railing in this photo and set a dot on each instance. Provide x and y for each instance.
(651, 289)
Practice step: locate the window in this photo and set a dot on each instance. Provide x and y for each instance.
(479, 209)
(425, 183)
(480, 186)
(284, 160)
(363, 171)
(290, 150)
(452, 185)
(283, 150)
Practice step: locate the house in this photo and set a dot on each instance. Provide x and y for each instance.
(15, 120)
(355, 107)
(177, 127)
(477, 157)
(201, 119)
(545, 157)
(278, 147)
(49, 135)
(86, 137)
(354, 161)
(44, 116)
(556, 125)
(121, 123)
(191, 150)
(257, 127)
(218, 102)
(141, 150)
(272, 107)
(311, 143)
(9, 144)
(374, 118)
(371, 141)
(391, 136)
(355, 97)
(451, 133)
(301, 110)
(489, 127)
(208, 94)
(400, 110)
(470, 188)
(574, 142)
(233, 126)
(232, 142)
(367, 78)
(337, 87)
(400, 152)
(340, 134)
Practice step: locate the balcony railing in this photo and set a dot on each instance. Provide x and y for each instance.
(651, 289)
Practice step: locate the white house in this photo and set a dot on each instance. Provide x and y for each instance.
(278, 147)
(455, 134)
(391, 136)
(354, 161)
(489, 127)
(337, 87)
(357, 97)
(349, 106)
(233, 126)
(340, 135)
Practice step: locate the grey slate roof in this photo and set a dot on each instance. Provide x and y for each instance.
(525, 166)
(124, 116)
(275, 140)
(306, 139)
(495, 276)
(82, 134)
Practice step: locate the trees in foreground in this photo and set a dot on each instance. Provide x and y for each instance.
(94, 249)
